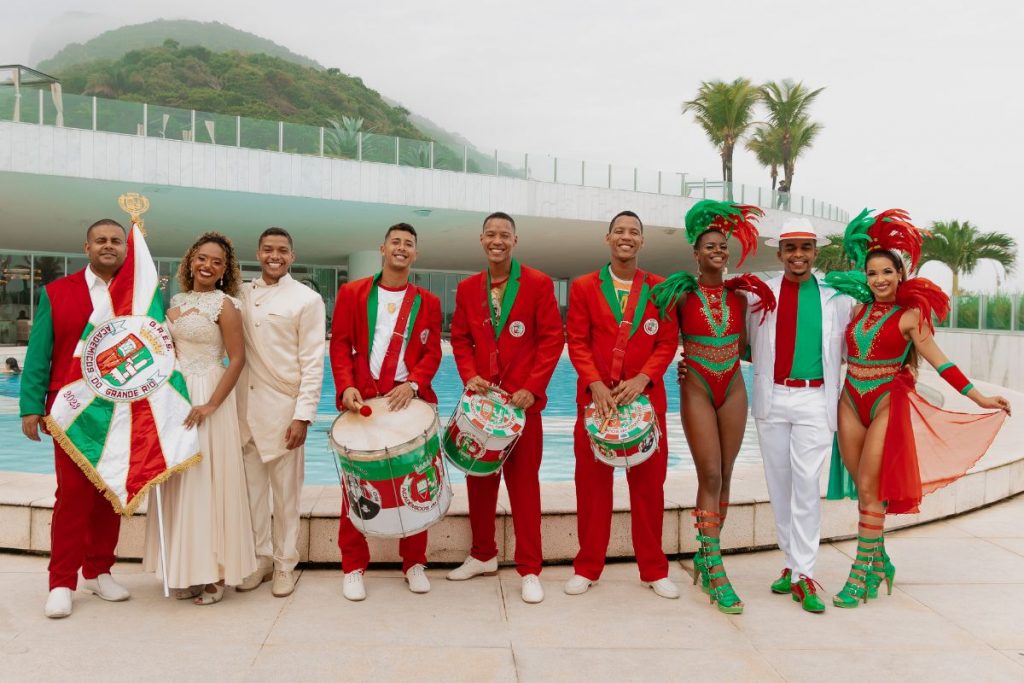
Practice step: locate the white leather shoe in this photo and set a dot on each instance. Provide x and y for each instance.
(665, 588)
(577, 585)
(533, 592)
(284, 583)
(473, 567)
(58, 603)
(264, 572)
(105, 587)
(417, 579)
(353, 588)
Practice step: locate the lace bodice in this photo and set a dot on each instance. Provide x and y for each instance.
(197, 339)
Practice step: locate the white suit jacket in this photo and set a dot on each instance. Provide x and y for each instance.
(285, 330)
(835, 315)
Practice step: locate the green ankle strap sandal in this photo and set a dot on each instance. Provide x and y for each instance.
(710, 553)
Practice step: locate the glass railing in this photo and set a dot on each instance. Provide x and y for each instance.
(988, 312)
(136, 118)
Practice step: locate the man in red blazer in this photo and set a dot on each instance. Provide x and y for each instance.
(84, 529)
(507, 333)
(620, 348)
(399, 366)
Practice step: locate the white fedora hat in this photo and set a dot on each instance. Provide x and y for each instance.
(797, 228)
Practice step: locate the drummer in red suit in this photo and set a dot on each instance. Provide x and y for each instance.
(507, 333)
(620, 349)
(85, 527)
(398, 367)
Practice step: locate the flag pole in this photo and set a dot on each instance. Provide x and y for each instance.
(163, 548)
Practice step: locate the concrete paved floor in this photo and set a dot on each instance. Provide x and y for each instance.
(954, 615)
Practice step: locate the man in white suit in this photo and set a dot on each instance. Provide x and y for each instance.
(278, 393)
(797, 354)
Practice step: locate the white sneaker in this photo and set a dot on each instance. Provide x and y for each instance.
(58, 604)
(284, 583)
(473, 567)
(353, 588)
(105, 587)
(533, 592)
(665, 588)
(577, 585)
(417, 579)
(264, 572)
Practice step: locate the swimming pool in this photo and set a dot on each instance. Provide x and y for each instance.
(21, 455)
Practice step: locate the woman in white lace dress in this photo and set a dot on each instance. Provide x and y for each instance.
(207, 528)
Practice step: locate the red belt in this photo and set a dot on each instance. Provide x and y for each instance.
(800, 383)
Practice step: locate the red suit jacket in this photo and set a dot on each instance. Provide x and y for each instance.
(529, 344)
(350, 339)
(592, 329)
(60, 320)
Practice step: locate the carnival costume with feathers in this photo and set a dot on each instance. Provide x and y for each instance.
(950, 442)
(712, 319)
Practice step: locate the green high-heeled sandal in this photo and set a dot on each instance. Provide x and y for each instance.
(724, 595)
(882, 566)
(852, 594)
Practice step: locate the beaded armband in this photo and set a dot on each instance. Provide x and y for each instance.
(956, 379)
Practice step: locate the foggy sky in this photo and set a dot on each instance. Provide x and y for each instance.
(922, 106)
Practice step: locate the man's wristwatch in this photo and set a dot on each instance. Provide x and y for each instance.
(415, 388)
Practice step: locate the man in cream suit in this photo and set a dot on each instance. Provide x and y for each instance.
(278, 393)
(797, 354)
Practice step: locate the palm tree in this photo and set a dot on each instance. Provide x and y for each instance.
(788, 105)
(832, 257)
(342, 139)
(766, 144)
(725, 111)
(962, 245)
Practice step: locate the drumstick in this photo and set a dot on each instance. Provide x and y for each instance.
(365, 410)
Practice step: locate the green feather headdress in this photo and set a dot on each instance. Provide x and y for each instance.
(734, 220)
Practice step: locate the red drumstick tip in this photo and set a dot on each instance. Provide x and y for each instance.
(365, 411)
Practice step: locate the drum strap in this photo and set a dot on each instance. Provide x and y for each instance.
(627, 324)
(389, 366)
(495, 321)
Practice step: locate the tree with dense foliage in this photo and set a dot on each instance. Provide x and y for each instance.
(961, 246)
(766, 144)
(831, 257)
(788, 106)
(726, 112)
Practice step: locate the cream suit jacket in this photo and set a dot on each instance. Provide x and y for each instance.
(835, 315)
(285, 329)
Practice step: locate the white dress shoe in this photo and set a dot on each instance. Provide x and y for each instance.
(577, 585)
(533, 592)
(353, 588)
(264, 572)
(105, 587)
(284, 583)
(58, 604)
(473, 567)
(665, 588)
(417, 579)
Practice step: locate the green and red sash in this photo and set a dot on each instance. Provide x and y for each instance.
(628, 319)
(405, 321)
(121, 415)
(496, 320)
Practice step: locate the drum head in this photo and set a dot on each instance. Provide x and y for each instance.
(367, 438)
(633, 421)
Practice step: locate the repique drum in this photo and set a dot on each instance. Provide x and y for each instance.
(626, 439)
(482, 432)
(392, 469)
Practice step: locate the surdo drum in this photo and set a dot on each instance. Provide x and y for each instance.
(392, 470)
(482, 432)
(627, 438)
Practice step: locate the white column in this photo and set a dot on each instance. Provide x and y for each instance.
(363, 264)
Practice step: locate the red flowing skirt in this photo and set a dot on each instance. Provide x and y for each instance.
(927, 447)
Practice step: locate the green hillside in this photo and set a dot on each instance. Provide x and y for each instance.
(252, 85)
(214, 36)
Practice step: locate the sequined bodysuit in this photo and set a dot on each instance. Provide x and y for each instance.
(876, 353)
(711, 319)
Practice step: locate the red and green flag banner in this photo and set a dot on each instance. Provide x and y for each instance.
(121, 417)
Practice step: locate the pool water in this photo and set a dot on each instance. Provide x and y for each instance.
(21, 455)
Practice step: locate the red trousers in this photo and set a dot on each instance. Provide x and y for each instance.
(83, 533)
(594, 508)
(355, 552)
(522, 478)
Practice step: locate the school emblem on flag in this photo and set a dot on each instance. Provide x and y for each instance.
(121, 417)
